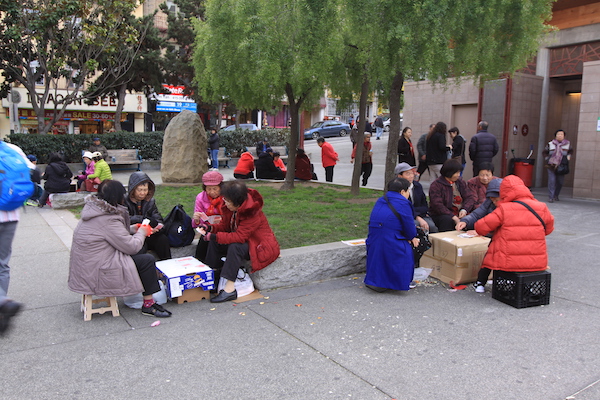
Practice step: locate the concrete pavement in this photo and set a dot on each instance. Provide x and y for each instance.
(325, 340)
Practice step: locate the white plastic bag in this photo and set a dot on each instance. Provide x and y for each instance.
(137, 300)
(421, 273)
(243, 283)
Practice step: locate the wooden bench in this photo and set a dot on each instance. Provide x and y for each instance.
(281, 149)
(223, 157)
(127, 158)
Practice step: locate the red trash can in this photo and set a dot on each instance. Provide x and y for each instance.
(524, 170)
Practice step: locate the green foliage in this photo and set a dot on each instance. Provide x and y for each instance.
(308, 215)
(61, 42)
(149, 144)
(238, 140)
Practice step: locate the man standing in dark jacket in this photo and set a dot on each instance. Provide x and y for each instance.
(483, 147)
(140, 204)
(213, 142)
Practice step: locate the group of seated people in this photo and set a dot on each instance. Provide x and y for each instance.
(58, 176)
(509, 212)
(113, 235)
(452, 201)
(269, 164)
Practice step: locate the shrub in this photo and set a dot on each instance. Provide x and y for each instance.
(238, 140)
(149, 144)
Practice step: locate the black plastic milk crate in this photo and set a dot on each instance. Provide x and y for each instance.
(522, 289)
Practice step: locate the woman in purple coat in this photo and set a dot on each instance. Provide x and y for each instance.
(390, 259)
(449, 197)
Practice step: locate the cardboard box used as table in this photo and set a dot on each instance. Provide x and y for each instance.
(183, 274)
(453, 258)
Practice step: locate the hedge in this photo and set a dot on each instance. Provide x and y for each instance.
(149, 144)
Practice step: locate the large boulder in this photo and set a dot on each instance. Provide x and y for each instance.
(184, 150)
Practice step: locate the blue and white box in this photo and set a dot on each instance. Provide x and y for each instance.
(185, 273)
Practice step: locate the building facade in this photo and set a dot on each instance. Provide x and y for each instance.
(560, 89)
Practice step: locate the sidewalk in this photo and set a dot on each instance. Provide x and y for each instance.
(325, 340)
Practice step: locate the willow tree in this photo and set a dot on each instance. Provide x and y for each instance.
(440, 39)
(257, 53)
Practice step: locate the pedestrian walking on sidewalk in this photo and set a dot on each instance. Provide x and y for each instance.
(9, 220)
(367, 159)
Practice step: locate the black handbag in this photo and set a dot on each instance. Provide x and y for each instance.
(563, 167)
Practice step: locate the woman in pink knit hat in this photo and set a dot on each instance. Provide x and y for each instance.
(208, 207)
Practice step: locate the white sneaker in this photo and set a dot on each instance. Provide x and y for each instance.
(480, 289)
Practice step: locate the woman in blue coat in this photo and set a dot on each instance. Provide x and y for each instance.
(390, 260)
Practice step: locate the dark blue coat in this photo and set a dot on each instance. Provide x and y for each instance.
(390, 260)
(483, 147)
(419, 200)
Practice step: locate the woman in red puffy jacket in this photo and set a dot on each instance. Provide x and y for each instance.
(519, 241)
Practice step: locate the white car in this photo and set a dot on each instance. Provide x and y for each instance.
(386, 124)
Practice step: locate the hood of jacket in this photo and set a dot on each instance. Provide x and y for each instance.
(493, 188)
(264, 155)
(136, 179)
(60, 167)
(512, 188)
(253, 203)
(246, 156)
(95, 207)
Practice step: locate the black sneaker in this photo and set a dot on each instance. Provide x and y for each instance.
(8, 310)
(156, 310)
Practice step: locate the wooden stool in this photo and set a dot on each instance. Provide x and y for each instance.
(87, 306)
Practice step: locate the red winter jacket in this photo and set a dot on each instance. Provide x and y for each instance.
(519, 241)
(328, 155)
(251, 226)
(245, 164)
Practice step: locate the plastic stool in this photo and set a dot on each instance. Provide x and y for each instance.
(87, 306)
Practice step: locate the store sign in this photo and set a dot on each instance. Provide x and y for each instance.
(174, 101)
(175, 106)
(70, 115)
(133, 102)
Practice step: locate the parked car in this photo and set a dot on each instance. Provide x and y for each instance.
(326, 129)
(245, 127)
(386, 123)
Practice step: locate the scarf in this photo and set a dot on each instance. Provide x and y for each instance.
(556, 158)
(215, 206)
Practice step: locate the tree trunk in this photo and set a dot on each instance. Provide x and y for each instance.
(394, 134)
(294, 134)
(121, 92)
(364, 93)
(220, 116)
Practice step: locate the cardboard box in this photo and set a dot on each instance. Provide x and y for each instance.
(454, 258)
(193, 294)
(185, 273)
(460, 251)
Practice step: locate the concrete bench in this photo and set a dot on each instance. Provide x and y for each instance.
(302, 265)
(223, 157)
(126, 158)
